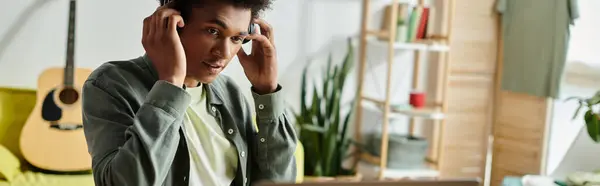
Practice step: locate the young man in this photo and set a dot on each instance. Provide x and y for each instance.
(169, 118)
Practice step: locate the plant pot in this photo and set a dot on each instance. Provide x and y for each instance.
(404, 152)
(345, 178)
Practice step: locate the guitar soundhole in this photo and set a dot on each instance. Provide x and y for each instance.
(68, 96)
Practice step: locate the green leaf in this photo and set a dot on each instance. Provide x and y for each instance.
(318, 169)
(594, 100)
(334, 103)
(326, 77)
(592, 125)
(334, 92)
(299, 120)
(346, 121)
(317, 103)
(574, 97)
(314, 110)
(303, 109)
(577, 110)
(312, 146)
(336, 71)
(314, 128)
(597, 93)
(346, 66)
(330, 148)
(347, 146)
(331, 140)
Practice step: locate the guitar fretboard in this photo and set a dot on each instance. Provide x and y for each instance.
(69, 67)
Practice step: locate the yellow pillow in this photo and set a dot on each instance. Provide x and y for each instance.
(9, 164)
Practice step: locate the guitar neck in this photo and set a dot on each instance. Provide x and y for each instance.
(70, 63)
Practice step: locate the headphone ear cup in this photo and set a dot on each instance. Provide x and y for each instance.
(251, 28)
(250, 31)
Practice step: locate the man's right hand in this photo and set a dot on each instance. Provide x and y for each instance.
(163, 45)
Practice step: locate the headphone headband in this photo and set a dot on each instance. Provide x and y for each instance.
(164, 2)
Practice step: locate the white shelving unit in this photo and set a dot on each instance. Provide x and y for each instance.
(416, 46)
(434, 113)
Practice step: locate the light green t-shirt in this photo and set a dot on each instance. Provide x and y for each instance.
(213, 158)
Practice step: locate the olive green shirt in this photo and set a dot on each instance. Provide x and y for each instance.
(536, 38)
(133, 127)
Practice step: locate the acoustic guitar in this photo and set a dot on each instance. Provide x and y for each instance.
(52, 137)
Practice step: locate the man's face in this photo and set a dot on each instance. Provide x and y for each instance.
(212, 35)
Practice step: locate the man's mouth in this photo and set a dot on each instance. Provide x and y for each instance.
(213, 65)
(213, 68)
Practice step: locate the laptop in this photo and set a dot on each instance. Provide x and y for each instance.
(439, 182)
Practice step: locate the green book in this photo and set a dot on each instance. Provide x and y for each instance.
(413, 24)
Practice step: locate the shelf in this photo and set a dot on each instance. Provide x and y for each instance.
(424, 45)
(369, 167)
(367, 157)
(370, 171)
(432, 112)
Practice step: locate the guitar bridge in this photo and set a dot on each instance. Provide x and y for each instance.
(65, 126)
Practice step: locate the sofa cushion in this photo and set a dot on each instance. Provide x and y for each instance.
(10, 166)
(15, 107)
(30, 178)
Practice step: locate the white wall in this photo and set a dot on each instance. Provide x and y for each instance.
(106, 30)
(564, 152)
(583, 59)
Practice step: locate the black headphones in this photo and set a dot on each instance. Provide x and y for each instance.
(184, 13)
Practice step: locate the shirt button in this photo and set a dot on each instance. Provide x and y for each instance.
(213, 109)
(262, 140)
(261, 106)
(245, 180)
(243, 154)
(230, 131)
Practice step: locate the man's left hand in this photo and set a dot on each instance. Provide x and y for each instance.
(260, 66)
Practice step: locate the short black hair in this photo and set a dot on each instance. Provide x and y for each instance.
(255, 6)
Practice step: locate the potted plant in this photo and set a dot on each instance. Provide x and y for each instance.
(592, 124)
(591, 117)
(322, 125)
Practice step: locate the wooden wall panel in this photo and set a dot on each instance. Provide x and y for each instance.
(519, 130)
(474, 37)
(471, 83)
(466, 129)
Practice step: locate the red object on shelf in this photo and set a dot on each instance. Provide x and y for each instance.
(417, 99)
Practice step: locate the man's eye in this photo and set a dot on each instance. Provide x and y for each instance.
(213, 31)
(237, 39)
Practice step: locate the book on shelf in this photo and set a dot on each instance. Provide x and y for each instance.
(414, 22)
(421, 24)
(401, 24)
(403, 21)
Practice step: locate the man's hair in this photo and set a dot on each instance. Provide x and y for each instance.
(255, 6)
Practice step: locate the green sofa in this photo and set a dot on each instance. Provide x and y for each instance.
(15, 107)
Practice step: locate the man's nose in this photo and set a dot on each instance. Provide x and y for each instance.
(222, 49)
